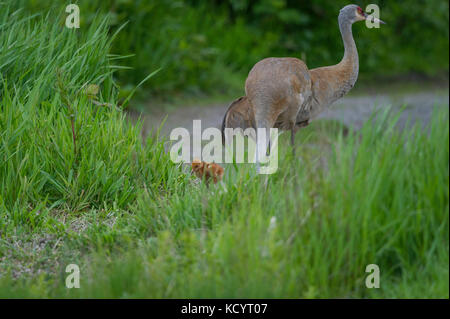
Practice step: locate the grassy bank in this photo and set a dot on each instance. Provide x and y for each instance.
(376, 197)
(79, 186)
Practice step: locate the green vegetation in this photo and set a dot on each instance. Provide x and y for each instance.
(79, 185)
(208, 47)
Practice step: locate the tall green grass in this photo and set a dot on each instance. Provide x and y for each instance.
(45, 161)
(35, 47)
(379, 196)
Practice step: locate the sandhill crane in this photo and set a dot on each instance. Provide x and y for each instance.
(282, 92)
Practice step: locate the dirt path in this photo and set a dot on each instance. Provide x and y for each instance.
(351, 110)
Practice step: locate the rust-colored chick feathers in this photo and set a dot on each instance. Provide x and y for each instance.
(210, 171)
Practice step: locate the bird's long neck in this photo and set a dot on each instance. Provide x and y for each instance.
(351, 53)
(350, 61)
(332, 82)
(336, 80)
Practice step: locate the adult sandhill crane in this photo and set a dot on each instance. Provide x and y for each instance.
(282, 92)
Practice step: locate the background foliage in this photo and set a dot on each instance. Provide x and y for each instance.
(209, 46)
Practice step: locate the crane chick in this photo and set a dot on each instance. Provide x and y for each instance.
(208, 171)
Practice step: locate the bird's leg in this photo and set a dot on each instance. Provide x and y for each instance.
(293, 131)
(262, 140)
(261, 149)
(293, 141)
(256, 155)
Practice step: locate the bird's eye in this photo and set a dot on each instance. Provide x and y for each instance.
(360, 11)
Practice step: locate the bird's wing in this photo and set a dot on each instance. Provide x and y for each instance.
(238, 115)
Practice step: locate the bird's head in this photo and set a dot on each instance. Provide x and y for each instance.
(353, 13)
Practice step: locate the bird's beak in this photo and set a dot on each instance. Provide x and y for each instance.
(373, 19)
